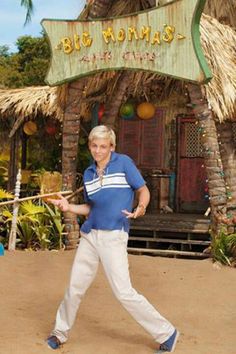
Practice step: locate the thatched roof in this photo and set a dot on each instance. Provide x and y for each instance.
(30, 102)
(219, 45)
(224, 11)
(218, 42)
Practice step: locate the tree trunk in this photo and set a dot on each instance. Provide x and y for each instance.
(70, 135)
(213, 163)
(112, 106)
(228, 156)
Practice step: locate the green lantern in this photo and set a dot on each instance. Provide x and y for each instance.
(127, 111)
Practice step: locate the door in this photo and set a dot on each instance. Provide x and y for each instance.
(192, 192)
(142, 140)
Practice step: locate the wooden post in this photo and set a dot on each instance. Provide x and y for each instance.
(13, 164)
(211, 151)
(12, 237)
(24, 144)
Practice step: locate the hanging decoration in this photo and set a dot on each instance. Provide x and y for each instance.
(127, 111)
(51, 128)
(30, 128)
(145, 110)
(101, 111)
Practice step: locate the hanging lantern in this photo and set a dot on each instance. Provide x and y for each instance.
(127, 111)
(30, 128)
(145, 110)
(101, 112)
(51, 128)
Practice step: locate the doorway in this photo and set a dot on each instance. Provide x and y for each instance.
(191, 188)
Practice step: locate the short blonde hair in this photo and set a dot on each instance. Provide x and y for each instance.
(102, 132)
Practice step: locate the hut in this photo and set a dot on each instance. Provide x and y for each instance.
(20, 110)
(186, 150)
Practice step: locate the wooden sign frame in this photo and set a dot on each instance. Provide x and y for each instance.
(164, 40)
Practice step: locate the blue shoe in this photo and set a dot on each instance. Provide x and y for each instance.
(53, 342)
(169, 344)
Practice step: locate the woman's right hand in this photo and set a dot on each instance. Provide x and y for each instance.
(62, 203)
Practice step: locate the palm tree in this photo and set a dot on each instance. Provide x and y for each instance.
(212, 157)
(228, 157)
(28, 4)
(71, 129)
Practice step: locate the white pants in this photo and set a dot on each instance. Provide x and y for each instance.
(109, 247)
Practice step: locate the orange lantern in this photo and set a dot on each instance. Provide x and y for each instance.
(30, 128)
(145, 110)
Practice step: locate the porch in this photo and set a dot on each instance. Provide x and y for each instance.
(174, 234)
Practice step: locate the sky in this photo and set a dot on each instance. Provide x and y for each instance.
(12, 17)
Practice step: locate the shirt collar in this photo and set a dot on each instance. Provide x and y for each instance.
(113, 157)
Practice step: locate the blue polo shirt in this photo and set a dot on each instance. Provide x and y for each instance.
(120, 180)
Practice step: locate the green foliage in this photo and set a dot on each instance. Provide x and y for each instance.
(224, 248)
(5, 195)
(3, 174)
(56, 222)
(38, 226)
(4, 51)
(29, 66)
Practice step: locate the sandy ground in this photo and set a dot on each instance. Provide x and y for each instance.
(195, 296)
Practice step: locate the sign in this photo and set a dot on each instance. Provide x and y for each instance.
(163, 40)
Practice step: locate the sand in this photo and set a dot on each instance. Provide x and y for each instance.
(199, 298)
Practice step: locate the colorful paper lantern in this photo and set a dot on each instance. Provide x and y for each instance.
(101, 111)
(145, 110)
(30, 128)
(51, 128)
(127, 111)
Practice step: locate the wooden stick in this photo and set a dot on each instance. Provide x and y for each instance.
(44, 195)
(74, 193)
(35, 197)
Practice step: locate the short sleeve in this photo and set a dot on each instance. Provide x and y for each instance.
(132, 174)
(86, 197)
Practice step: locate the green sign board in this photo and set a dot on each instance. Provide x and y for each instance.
(164, 40)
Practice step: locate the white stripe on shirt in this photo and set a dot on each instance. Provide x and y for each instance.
(116, 180)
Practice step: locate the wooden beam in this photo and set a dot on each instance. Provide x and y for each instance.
(167, 252)
(169, 240)
(14, 160)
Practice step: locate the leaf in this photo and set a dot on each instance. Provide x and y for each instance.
(7, 214)
(6, 195)
(56, 216)
(29, 207)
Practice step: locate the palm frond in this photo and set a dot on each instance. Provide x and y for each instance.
(5, 195)
(28, 4)
(29, 207)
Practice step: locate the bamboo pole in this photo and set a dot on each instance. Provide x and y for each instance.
(38, 196)
(12, 237)
(74, 193)
(17, 200)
